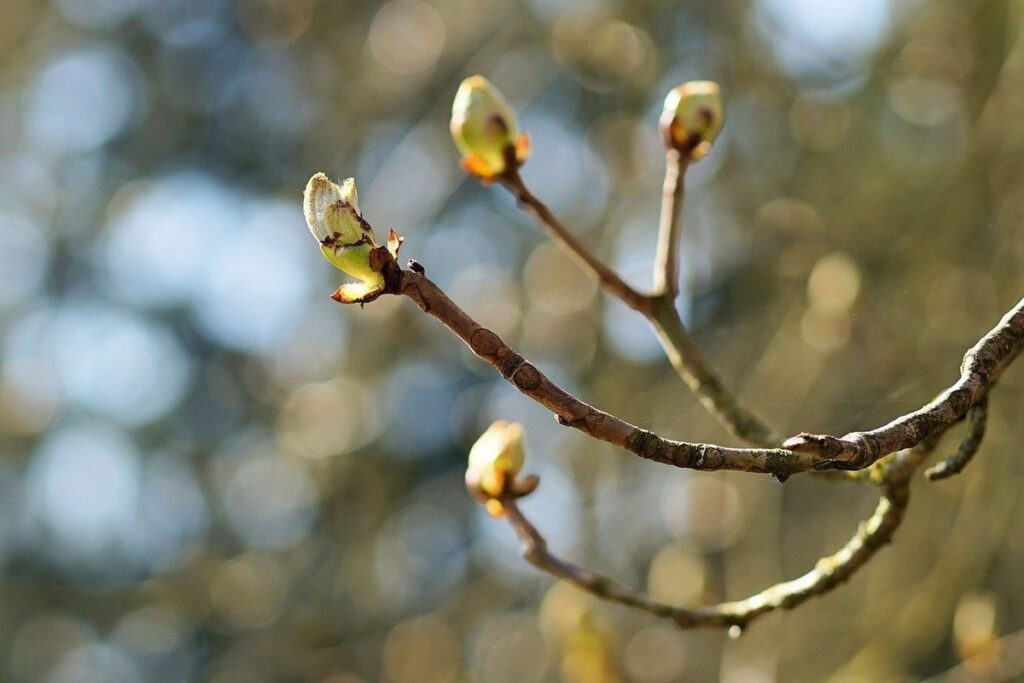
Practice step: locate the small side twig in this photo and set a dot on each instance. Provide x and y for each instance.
(954, 464)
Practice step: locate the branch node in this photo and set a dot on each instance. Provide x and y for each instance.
(525, 376)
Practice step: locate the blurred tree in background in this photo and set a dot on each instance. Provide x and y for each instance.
(212, 472)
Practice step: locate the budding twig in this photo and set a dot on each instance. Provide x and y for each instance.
(570, 244)
(484, 128)
(828, 572)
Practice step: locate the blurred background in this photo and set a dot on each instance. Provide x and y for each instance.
(209, 471)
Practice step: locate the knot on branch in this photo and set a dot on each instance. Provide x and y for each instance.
(510, 364)
(822, 445)
(485, 343)
(854, 451)
(645, 444)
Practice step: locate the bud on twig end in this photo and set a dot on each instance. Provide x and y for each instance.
(485, 130)
(692, 118)
(494, 463)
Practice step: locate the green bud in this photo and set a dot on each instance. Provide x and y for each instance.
(693, 118)
(484, 129)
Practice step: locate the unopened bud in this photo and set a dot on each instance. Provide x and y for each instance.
(693, 118)
(494, 461)
(484, 129)
(346, 240)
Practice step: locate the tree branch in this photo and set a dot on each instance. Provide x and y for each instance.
(887, 456)
(805, 452)
(981, 367)
(575, 413)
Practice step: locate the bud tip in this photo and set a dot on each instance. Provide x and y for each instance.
(693, 118)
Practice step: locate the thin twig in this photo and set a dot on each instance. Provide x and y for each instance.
(828, 572)
(670, 225)
(955, 463)
(673, 335)
(712, 394)
(570, 244)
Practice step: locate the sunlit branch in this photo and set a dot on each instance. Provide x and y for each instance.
(805, 452)
(981, 367)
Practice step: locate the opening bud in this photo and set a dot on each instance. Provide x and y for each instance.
(692, 118)
(346, 240)
(484, 129)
